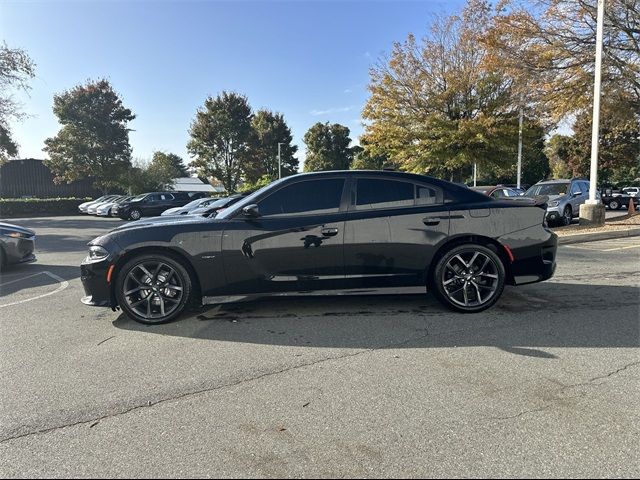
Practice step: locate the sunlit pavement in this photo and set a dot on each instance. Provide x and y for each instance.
(367, 384)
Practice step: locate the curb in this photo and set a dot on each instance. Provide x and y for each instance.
(592, 237)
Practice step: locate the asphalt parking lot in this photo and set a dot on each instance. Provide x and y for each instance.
(369, 384)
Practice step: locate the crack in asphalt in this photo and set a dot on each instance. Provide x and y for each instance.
(550, 402)
(95, 420)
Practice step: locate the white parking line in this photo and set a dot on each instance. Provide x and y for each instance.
(621, 248)
(63, 284)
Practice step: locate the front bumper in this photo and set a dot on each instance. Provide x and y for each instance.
(94, 281)
(553, 214)
(19, 250)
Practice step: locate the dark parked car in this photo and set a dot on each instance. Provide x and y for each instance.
(152, 204)
(327, 230)
(17, 245)
(497, 192)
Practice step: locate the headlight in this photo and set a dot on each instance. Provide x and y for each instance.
(97, 253)
(553, 203)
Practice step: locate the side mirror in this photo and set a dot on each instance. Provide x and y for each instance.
(251, 211)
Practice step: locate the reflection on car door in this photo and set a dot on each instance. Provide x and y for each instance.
(295, 244)
(391, 231)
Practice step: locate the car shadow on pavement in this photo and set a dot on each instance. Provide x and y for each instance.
(16, 278)
(525, 321)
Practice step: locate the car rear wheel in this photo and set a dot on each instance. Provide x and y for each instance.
(567, 216)
(153, 288)
(135, 214)
(468, 278)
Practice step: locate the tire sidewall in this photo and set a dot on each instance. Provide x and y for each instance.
(614, 205)
(566, 219)
(438, 288)
(185, 278)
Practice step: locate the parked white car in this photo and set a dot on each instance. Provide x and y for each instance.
(83, 207)
(632, 191)
(104, 209)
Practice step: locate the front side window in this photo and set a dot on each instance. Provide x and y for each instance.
(375, 193)
(309, 198)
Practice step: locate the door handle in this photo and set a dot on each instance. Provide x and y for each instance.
(329, 232)
(430, 221)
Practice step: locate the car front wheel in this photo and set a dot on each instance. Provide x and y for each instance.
(153, 288)
(469, 278)
(614, 205)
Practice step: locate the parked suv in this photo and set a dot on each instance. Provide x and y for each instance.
(153, 204)
(565, 198)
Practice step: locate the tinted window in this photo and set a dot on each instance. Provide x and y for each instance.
(584, 186)
(311, 197)
(426, 195)
(166, 196)
(499, 193)
(374, 193)
(548, 189)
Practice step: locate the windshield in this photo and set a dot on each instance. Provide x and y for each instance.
(195, 203)
(548, 189)
(137, 198)
(246, 201)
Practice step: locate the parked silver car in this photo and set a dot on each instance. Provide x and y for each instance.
(565, 198)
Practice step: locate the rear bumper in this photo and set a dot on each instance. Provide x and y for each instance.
(534, 256)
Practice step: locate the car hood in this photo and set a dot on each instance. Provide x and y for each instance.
(15, 228)
(160, 221)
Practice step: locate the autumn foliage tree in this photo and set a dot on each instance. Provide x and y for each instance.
(436, 107)
(328, 147)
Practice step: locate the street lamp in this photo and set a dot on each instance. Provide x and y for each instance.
(593, 212)
(279, 161)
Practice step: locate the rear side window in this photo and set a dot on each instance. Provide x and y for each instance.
(426, 195)
(375, 193)
(310, 197)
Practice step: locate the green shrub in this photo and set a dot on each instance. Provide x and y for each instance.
(19, 207)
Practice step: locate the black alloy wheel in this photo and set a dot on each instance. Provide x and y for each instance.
(469, 278)
(135, 214)
(153, 288)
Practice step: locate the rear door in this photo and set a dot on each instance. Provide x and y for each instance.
(391, 230)
(296, 242)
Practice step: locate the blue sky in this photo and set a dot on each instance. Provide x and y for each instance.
(306, 59)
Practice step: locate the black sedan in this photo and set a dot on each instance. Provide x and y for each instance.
(327, 230)
(17, 245)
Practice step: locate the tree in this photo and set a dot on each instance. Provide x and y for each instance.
(327, 147)
(269, 129)
(436, 107)
(558, 150)
(94, 138)
(619, 148)
(365, 158)
(549, 46)
(220, 136)
(163, 169)
(16, 69)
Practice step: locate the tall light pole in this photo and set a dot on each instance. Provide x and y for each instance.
(593, 212)
(279, 162)
(593, 180)
(520, 149)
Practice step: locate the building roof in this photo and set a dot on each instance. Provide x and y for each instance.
(191, 184)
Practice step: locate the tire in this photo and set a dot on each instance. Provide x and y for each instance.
(153, 288)
(614, 205)
(567, 216)
(135, 214)
(468, 278)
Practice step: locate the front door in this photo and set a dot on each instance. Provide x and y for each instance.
(295, 243)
